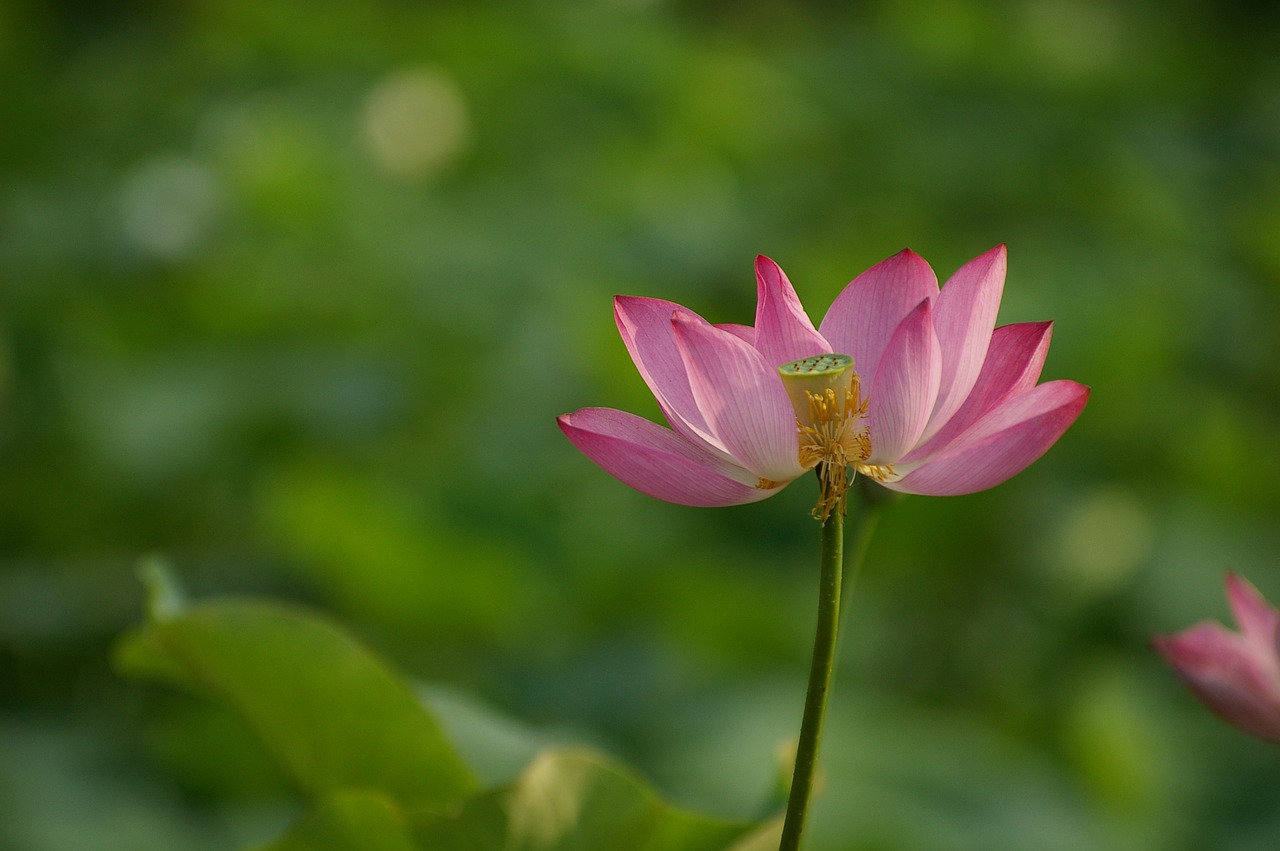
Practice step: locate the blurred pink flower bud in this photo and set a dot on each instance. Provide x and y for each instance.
(1236, 674)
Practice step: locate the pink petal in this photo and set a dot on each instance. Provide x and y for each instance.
(741, 398)
(1257, 620)
(783, 330)
(1223, 671)
(901, 395)
(743, 332)
(1013, 363)
(657, 461)
(1002, 445)
(964, 316)
(865, 315)
(645, 326)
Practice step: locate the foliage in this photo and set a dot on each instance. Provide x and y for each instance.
(251, 320)
(375, 763)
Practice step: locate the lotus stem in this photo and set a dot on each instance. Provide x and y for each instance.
(830, 582)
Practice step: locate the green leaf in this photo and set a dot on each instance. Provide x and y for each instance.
(350, 821)
(164, 595)
(494, 746)
(329, 712)
(764, 838)
(376, 762)
(577, 800)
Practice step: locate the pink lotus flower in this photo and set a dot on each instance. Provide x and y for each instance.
(1236, 674)
(938, 401)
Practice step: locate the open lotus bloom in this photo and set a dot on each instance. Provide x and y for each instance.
(903, 381)
(1236, 674)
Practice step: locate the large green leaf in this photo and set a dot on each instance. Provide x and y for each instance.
(764, 838)
(375, 762)
(496, 747)
(574, 799)
(328, 711)
(349, 821)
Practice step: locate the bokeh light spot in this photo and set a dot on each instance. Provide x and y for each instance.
(1104, 539)
(415, 122)
(167, 205)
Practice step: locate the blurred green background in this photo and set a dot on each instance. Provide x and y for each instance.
(291, 293)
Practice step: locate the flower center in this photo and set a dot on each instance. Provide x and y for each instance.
(825, 393)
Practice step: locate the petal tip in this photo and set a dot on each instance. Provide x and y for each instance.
(625, 309)
(1247, 602)
(905, 260)
(997, 257)
(767, 273)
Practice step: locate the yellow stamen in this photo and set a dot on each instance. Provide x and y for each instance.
(833, 433)
(832, 440)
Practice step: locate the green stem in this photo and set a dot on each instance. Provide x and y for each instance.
(824, 651)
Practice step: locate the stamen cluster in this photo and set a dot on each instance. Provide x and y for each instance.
(831, 415)
(834, 438)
